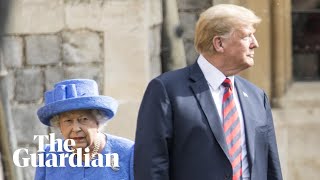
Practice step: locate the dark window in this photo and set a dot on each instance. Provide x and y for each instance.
(306, 39)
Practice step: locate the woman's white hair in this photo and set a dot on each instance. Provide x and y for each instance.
(99, 116)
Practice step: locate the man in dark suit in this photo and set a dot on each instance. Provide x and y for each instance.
(203, 122)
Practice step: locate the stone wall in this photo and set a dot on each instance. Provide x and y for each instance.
(298, 129)
(189, 11)
(113, 42)
(35, 62)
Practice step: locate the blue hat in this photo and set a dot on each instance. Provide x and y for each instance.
(75, 94)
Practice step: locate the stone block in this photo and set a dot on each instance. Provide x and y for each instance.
(13, 51)
(11, 84)
(188, 21)
(192, 4)
(29, 171)
(103, 15)
(81, 47)
(43, 49)
(27, 124)
(35, 16)
(191, 53)
(126, 64)
(155, 17)
(124, 122)
(29, 85)
(94, 72)
(53, 75)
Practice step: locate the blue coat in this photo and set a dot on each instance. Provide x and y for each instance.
(121, 146)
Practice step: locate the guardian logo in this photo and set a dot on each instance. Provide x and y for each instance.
(59, 151)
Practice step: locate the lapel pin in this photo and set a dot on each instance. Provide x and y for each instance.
(245, 94)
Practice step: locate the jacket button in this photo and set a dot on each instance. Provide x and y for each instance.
(227, 177)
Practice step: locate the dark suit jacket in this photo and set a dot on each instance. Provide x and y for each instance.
(179, 135)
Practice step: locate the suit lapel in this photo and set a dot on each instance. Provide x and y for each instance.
(248, 118)
(202, 93)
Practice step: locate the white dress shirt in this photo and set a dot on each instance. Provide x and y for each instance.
(215, 78)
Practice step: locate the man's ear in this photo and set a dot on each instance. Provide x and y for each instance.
(217, 44)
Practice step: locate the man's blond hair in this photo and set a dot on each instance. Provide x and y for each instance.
(221, 20)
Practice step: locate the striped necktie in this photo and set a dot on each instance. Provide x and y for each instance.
(232, 129)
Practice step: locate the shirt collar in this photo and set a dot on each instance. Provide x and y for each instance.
(213, 76)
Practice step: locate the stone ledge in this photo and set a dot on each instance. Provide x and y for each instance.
(302, 95)
(294, 117)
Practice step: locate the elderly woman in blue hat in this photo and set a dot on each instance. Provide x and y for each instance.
(76, 108)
